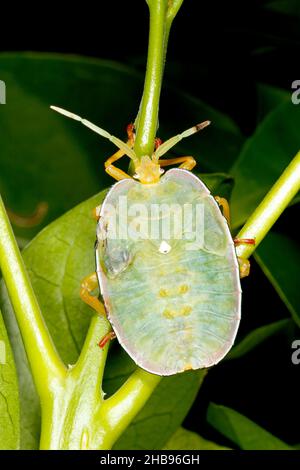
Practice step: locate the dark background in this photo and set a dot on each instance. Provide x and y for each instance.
(218, 52)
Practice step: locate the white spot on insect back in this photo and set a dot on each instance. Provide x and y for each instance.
(164, 247)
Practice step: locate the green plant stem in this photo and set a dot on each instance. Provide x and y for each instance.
(73, 417)
(124, 405)
(271, 207)
(45, 363)
(162, 13)
(146, 125)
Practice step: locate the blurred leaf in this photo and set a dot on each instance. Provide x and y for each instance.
(220, 184)
(269, 97)
(256, 337)
(279, 258)
(288, 7)
(246, 434)
(216, 148)
(9, 395)
(264, 157)
(183, 439)
(46, 157)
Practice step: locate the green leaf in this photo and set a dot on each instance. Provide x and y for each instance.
(9, 395)
(279, 258)
(263, 159)
(256, 337)
(269, 97)
(183, 439)
(220, 184)
(246, 434)
(46, 157)
(29, 402)
(216, 148)
(57, 260)
(287, 7)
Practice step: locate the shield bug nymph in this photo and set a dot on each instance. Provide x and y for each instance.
(169, 278)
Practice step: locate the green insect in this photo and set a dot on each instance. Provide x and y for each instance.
(165, 261)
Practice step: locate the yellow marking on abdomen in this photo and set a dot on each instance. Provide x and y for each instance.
(163, 293)
(183, 312)
(183, 289)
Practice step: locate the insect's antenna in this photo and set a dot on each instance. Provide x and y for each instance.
(166, 146)
(118, 142)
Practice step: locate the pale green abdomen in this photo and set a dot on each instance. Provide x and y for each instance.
(174, 303)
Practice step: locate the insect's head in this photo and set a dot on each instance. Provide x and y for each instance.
(147, 168)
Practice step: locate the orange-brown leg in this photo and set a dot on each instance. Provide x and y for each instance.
(225, 207)
(187, 163)
(96, 212)
(88, 285)
(106, 338)
(111, 169)
(244, 263)
(244, 241)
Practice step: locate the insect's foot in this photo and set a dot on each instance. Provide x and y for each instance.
(130, 129)
(244, 265)
(244, 241)
(96, 213)
(106, 338)
(88, 285)
(158, 142)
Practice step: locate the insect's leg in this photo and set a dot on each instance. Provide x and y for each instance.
(119, 143)
(166, 146)
(96, 212)
(112, 170)
(187, 163)
(244, 265)
(106, 338)
(158, 142)
(225, 207)
(88, 284)
(244, 241)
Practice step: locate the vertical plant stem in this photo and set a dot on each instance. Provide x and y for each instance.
(162, 14)
(45, 363)
(271, 207)
(148, 113)
(70, 419)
